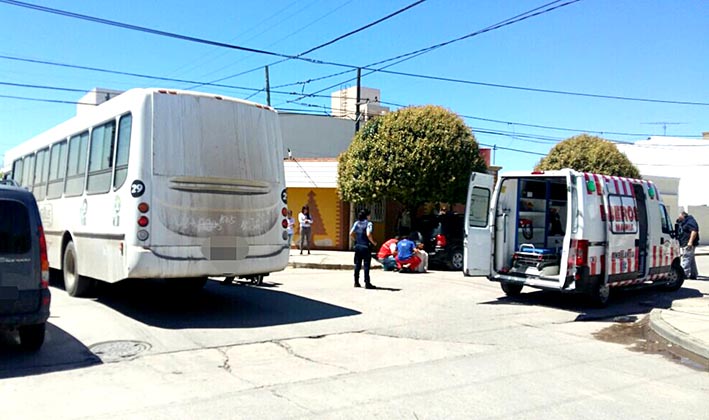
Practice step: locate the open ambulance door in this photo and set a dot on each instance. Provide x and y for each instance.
(477, 251)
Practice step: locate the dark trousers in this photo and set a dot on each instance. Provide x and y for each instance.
(362, 255)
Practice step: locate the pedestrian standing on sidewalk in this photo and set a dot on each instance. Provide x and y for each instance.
(306, 222)
(688, 233)
(291, 227)
(362, 233)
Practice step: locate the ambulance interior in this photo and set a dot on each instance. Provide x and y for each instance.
(531, 223)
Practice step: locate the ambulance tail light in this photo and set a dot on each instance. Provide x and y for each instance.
(580, 248)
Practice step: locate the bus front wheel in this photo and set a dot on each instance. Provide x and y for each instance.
(74, 284)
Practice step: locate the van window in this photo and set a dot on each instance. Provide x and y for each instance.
(76, 164)
(574, 207)
(122, 149)
(666, 226)
(101, 158)
(479, 207)
(57, 170)
(15, 236)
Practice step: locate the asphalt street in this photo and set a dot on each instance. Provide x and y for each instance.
(308, 345)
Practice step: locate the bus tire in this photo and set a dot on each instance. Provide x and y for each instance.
(511, 289)
(32, 336)
(676, 279)
(74, 284)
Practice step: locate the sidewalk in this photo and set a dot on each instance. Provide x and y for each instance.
(326, 260)
(685, 324)
(702, 250)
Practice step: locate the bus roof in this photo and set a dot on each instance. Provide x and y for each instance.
(114, 106)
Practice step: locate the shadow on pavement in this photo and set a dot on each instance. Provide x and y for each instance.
(623, 302)
(60, 352)
(215, 306)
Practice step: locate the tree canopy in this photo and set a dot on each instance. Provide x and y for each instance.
(413, 155)
(589, 154)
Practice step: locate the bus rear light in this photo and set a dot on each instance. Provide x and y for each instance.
(284, 223)
(143, 221)
(143, 207)
(284, 212)
(143, 235)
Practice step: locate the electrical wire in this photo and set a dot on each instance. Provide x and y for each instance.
(323, 62)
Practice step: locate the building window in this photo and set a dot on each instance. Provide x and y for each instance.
(376, 208)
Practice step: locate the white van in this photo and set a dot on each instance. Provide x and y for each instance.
(569, 231)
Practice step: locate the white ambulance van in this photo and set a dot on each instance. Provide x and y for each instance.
(569, 231)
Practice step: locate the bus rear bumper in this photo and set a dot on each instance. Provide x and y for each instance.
(189, 261)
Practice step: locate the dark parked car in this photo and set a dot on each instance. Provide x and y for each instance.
(442, 236)
(24, 268)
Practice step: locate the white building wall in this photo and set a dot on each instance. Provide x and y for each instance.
(315, 136)
(343, 103)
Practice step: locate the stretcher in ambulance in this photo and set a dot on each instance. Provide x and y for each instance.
(569, 231)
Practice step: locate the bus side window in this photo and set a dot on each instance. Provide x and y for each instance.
(57, 170)
(122, 149)
(100, 158)
(17, 171)
(76, 165)
(28, 172)
(40, 174)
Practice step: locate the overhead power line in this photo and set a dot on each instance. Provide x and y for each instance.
(350, 66)
(548, 127)
(330, 42)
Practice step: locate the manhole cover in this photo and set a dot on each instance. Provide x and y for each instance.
(112, 351)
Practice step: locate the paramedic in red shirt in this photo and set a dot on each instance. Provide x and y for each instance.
(406, 249)
(387, 254)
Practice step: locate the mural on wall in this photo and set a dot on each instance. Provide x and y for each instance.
(324, 206)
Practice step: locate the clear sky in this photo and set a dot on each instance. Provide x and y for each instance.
(655, 49)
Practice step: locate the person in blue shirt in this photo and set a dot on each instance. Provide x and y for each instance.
(407, 253)
(362, 233)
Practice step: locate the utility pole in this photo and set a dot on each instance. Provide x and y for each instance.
(359, 94)
(268, 88)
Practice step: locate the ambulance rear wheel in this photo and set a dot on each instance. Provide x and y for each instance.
(511, 289)
(676, 279)
(601, 295)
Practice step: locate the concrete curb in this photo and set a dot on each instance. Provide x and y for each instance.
(675, 336)
(325, 266)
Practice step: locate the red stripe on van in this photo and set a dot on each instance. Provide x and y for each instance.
(637, 259)
(599, 189)
(630, 262)
(654, 256)
(603, 213)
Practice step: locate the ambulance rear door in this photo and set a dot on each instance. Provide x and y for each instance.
(477, 244)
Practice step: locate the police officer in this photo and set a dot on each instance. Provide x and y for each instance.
(362, 233)
(688, 239)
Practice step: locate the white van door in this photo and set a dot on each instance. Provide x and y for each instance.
(477, 245)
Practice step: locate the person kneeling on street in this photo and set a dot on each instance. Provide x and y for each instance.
(387, 254)
(362, 233)
(407, 258)
(423, 255)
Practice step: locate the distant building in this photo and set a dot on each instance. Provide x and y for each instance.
(343, 103)
(95, 96)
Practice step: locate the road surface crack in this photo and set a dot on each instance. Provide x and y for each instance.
(225, 364)
(292, 352)
(281, 396)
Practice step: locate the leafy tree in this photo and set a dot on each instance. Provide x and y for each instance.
(413, 155)
(588, 154)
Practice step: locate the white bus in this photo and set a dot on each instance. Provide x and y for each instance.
(160, 183)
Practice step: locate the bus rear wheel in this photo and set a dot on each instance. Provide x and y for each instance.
(74, 284)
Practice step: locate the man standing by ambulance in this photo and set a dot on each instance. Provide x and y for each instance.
(688, 233)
